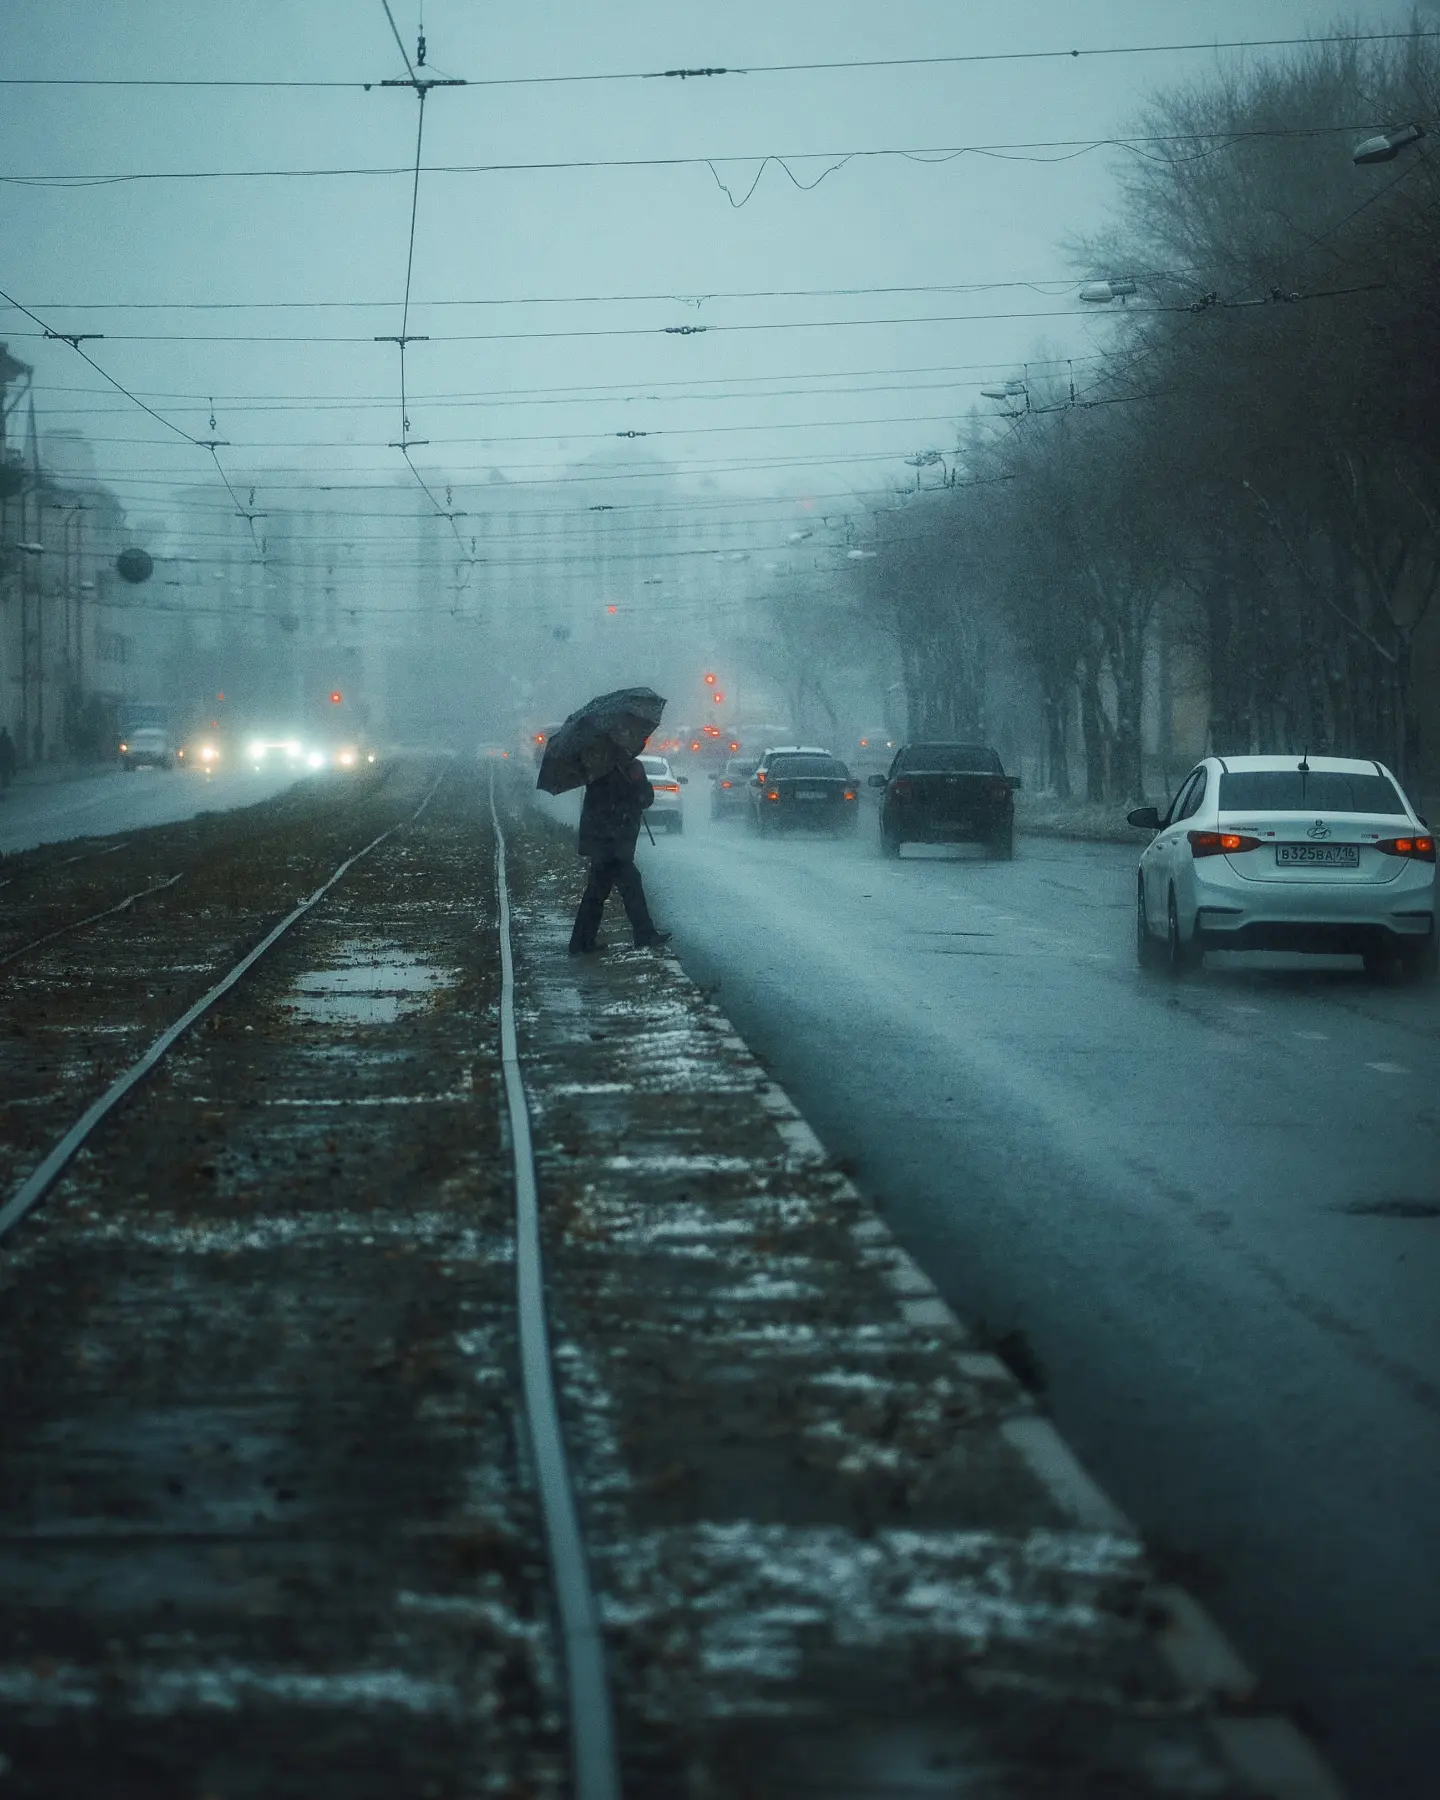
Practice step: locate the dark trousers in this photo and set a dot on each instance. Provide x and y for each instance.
(611, 872)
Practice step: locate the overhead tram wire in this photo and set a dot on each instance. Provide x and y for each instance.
(212, 444)
(606, 391)
(714, 72)
(937, 155)
(421, 86)
(718, 330)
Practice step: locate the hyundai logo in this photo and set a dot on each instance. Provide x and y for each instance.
(1318, 830)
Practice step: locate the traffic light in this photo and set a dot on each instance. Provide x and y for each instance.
(710, 680)
(336, 696)
(718, 697)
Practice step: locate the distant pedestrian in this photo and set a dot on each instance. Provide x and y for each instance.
(609, 830)
(7, 757)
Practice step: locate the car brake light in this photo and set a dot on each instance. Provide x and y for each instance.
(1220, 843)
(849, 793)
(667, 787)
(1417, 849)
(772, 793)
(724, 784)
(902, 789)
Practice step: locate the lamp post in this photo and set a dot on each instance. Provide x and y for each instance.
(1385, 146)
(29, 548)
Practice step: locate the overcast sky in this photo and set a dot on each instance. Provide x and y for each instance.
(523, 237)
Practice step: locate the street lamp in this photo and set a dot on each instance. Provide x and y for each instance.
(1101, 293)
(1385, 146)
(1010, 390)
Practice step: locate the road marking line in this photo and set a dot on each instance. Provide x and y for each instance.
(1388, 1068)
(1314, 1037)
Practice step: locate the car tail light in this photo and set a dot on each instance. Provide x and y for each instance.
(903, 789)
(667, 787)
(772, 793)
(725, 784)
(849, 793)
(1220, 843)
(1417, 849)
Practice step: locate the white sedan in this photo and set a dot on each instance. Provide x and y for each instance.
(1322, 854)
(669, 808)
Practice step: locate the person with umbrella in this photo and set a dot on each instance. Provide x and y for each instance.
(597, 748)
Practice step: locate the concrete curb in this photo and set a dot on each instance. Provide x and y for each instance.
(1265, 1750)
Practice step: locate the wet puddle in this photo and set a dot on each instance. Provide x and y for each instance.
(375, 984)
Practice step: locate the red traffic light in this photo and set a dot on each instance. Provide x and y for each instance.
(710, 681)
(717, 697)
(336, 696)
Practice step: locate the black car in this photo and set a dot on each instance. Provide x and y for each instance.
(947, 794)
(797, 787)
(730, 787)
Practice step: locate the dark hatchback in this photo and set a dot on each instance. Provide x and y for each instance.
(801, 789)
(730, 787)
(947, 794)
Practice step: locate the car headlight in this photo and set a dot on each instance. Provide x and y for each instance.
(257, 751)
(315, 760)
(208, 753)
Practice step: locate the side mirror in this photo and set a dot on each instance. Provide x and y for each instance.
(684, 780)
(876, 781)
(1015, 783)
(1144, 818)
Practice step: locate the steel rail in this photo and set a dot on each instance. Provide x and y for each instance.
(94, 918)
(594, 1768)
(40, 1180)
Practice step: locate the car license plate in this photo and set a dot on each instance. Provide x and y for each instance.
(812, 794)
(1318, 856)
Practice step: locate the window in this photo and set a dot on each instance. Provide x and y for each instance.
(1315, 791)
(792, 768)
(948, 759)
(1193, 797)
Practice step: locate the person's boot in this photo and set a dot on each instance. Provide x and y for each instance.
(586, 949)
(653, 940)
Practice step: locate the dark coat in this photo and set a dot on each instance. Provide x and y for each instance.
(610, 817)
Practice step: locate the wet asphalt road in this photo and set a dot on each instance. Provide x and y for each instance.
(110, 800)
(1211, 1209)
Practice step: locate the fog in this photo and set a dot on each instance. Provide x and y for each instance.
(781, 335)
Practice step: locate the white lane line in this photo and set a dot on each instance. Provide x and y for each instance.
(1314, 1037)
(1388, 1068)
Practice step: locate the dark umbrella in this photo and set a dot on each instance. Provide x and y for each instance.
(601, 735)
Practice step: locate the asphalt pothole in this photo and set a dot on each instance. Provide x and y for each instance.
(373, 984)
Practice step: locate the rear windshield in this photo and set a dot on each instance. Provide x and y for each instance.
(788, 768)
(654, 765)
(1289, 790)
(745, 766)
(949, 759)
